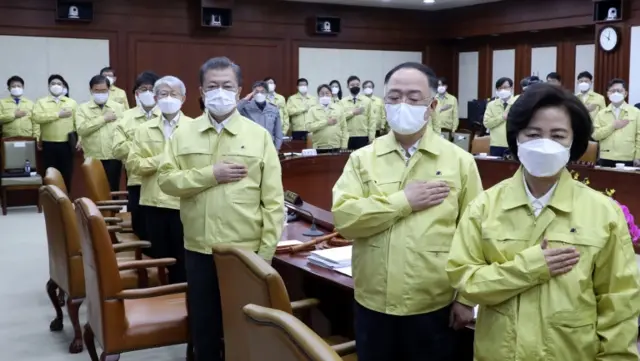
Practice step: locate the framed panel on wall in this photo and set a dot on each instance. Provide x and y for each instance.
(504, 65)
(585, 61)
(543, 61)
(468, 74)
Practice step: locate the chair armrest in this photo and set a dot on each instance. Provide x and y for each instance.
(344, 349)
(115, 202)
(146, 263)
(113, 220)
(114, 229)
(130, 246)
(304, 304)
(152, 291)
(112, 208)
(119, 194)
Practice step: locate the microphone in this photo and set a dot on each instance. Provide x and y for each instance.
(313, 231)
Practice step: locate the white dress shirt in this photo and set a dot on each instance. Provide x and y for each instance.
(538, 203)
(169, 126)
(219, 125)
(408, 153)
(616, 111)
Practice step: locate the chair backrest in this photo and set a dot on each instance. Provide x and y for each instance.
(105, 313)
(463, 138)
(63, 241)
(260, 284)
(480, 144)
(591, 154)
(96, 180)
(277, 335)
(53, 177)
(16, 151)
(445, 133)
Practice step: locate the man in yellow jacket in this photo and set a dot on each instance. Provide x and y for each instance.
(116, 94)
(377, 108)
(298, 106)
(279, 101)
(326, 123)
(16, 112)
(125, 129)
(56, 116)
(226, 172)
(400, 199)
(495, 117)
(96, 122)
(447, 110)
(617, 128)
(357, 110)
(592, 100)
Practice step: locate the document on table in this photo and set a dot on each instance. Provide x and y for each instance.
(344, 270)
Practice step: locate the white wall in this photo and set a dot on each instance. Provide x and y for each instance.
(321, 65)
(585, 61)
(504, 65)
(543, 61)
(35, 58)
(634, 66)
(468, 65)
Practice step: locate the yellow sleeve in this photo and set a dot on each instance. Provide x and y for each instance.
(35, 127)
(183, 183)
(121, 143)
(285, 118)
(601, 129)
(601, 103)
(435, 122)
(348, 107)
(358, 215)
(637, 155)
(617, 289)
(86, 125)
(272, 201)
(293, 108)
(140, 160)
(490, 284)
(6, 115)
(43, 116)
(373, 123)
(471, 187)
(314, 123)
(344, 131)
(456, 119)
(493, 116)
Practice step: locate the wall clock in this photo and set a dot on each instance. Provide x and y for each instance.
(609, 38)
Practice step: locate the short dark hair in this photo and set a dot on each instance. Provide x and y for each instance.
(270, 78)
(352, 78)
(14, 79)
(553, 75)
(503, 80)
(444, 81)
(585, 74)
(546, 95)
(323, 86)
(259, 84)
(368, 82)
(534, 79)
(301, 80)
(53, 77)
(106, 68)
(427, 71)
(615, 81)
(524, 82)
(99, 79)
(221, 62)
(66, 85)
(145, 78)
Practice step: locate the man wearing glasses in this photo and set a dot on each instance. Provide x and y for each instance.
(399, 199)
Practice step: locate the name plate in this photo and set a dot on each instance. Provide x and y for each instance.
(292, 198)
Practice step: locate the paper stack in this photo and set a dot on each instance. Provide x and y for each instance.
(339, 257)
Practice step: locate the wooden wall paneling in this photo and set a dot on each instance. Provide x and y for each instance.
(566, 63)
(442, 58)
(615, 64)
(486, 87)
(523, 64)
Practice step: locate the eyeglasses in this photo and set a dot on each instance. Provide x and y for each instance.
(143, 89)
(164, 94)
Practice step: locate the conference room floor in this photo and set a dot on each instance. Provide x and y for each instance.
(25, 308)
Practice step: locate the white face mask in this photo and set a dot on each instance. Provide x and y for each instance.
(17, 91)
(220, 101)
(271, 87)
(169, 105)
(584, 86)
(335, 90)
(616, 97)
(146, 99)
(503, 94)
(112, 80)
(368, 91)
(302, 89)
(100, 98)
(65, 91)
(324, 100)
(442, 89)
(404, 118)
(260, 98)
(56, 90)
(543, 157)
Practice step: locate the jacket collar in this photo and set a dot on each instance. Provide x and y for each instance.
(233, 125)
(93, 105)
(158, 121)
(515, 194)
(388, 143)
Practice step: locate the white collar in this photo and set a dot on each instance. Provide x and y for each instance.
(219, 125)
(149, 114)
(171, 122)
(411, 151)
(538, 203)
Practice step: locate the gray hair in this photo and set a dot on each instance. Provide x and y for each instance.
(221, 62)
(259, 84)
(170, 81)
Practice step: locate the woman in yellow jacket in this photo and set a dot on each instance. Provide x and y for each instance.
(327, 124)
(548, 260)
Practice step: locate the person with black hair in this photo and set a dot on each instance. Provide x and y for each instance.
(56, 115)
(65, 89)
(327, 123)
(377, 108)
(548, 260)
(115, 94)
(446, 113)
(96, 122)
(357, 110)
(298, 106)
(400, 198)
(336, 91)
(255, 107)
(617, 128)
(592, 100)
(495, 117)
(279, 101)
(144, 111)
(529, 81)
(554, 78)
(16, 112)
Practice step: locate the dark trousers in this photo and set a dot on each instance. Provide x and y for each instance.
(203, 303)
(382, 337)
(138, 220)
(165, 232)
(612, 163)
(497, 151)
(356, 143)
(59, 155)
(113, 168)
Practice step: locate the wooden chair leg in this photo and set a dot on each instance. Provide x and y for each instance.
(38, 200)
(4, 201)
(56, 324)
(61, 298)
(73, 307)
(89, 341)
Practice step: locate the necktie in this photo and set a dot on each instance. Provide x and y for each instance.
(17, 101)
(354, 100)
(505, 105)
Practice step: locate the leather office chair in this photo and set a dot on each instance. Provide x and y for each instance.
(463, 138)
(14, 152)
(261, 285)
(591, 154)
(65, 261)
(445, 134)
(125, 320)
(480, 144)
(277, 335)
